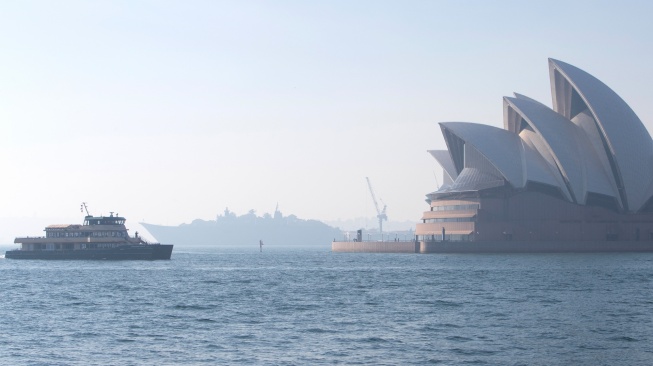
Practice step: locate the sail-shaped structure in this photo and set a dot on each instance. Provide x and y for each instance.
(579, 171)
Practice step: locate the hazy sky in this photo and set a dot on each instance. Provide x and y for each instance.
(167, 111)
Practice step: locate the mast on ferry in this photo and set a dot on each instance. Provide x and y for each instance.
(85, 208)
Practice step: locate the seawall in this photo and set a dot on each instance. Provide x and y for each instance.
(375, 246)
(536, 247)
(492, 247)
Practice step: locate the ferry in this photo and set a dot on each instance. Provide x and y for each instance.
(100, 237)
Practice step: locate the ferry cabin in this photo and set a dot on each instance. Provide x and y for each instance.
(96, 233)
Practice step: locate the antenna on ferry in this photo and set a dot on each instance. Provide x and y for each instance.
(84, 207)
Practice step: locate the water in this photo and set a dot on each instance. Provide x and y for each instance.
(314, 307)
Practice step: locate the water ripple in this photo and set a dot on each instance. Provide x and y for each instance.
(296, 307)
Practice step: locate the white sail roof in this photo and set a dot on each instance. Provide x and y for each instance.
(444, 159)
(574, 157)
(626, 142)
(503, 150)
(590, 143)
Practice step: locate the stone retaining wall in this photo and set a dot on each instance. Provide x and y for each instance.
(535, 247)
(376, 246)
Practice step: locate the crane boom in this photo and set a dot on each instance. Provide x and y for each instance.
(376, 205)
(380, 214)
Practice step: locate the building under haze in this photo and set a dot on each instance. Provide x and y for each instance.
(581, 172)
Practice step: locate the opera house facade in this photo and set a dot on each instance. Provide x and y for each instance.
(575, 177)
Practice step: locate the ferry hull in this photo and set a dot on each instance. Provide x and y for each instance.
(125, 252)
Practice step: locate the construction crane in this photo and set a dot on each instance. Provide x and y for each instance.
(380, 214)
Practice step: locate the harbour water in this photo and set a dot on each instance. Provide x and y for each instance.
(308, 306)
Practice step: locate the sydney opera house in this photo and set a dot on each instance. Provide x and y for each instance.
(575, 177)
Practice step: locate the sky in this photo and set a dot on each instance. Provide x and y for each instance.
(170, 111)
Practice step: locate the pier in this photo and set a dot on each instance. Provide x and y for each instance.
(375, 246)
